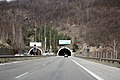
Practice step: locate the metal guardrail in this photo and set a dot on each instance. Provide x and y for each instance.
(101, 59)
(113, 60)
(12, 56)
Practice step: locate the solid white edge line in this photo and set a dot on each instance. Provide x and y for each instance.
(91, 73)
(22, 75)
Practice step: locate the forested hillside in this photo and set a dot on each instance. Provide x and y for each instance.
(95, 22)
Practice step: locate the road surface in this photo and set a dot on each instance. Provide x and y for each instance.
(52, 68)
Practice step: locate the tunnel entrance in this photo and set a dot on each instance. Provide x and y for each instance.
(64, 51)
(37, 52)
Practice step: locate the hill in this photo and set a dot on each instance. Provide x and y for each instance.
(95, 22)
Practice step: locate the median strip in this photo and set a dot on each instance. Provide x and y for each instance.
(9, 59)
(91, 73)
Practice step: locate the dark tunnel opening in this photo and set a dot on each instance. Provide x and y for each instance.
(38, 52)
(64, 51)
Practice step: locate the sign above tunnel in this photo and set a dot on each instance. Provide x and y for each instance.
(38, 44)
(64, 42)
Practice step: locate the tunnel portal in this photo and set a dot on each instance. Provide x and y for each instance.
(64, 51)
(38, 51)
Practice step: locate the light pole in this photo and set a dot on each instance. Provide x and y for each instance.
(50, 36)
(55, 41)
(45, 36)
(39, 36)
(35, 29)
(35, 34)
(50, 42)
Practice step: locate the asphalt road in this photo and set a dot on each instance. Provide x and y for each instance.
(53, 68)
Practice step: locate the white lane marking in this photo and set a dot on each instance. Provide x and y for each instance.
(22, 75)
(91, 73)
(44, 65)
(47, 63)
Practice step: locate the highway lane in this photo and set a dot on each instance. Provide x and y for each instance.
(10, 71)
(54, 68)
(103, 71)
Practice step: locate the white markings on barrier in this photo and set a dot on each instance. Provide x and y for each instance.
(5, 64)
(16, 62)
(2, 64)
(22, 75)
(91, 73)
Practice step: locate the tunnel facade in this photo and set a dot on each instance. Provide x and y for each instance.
(38, 51)
(63, 51)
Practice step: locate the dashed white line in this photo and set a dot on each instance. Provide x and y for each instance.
(44, 65)
(22, 75)
(93, 74)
